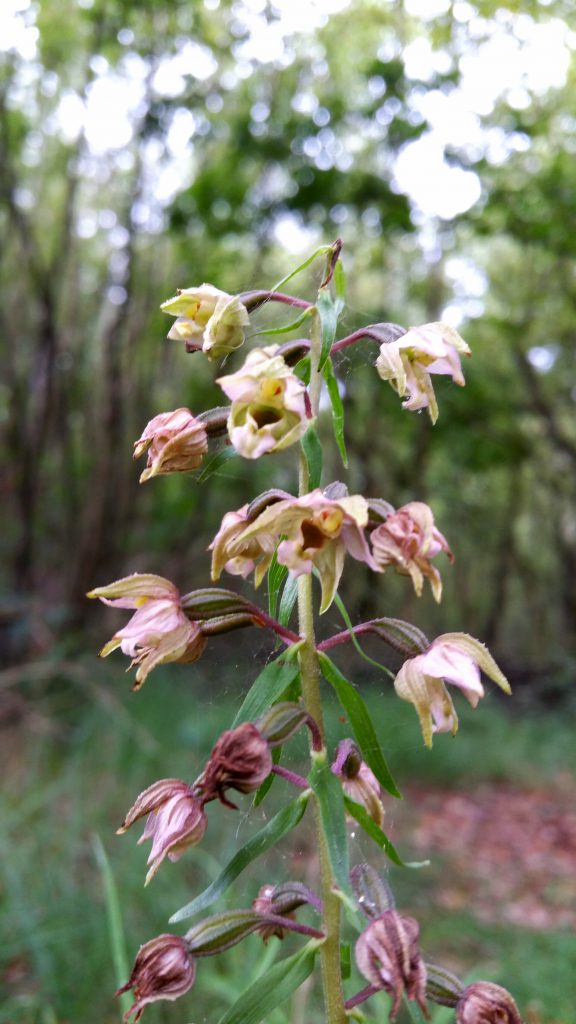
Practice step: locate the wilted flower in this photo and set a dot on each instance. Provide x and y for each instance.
(268, 411)
(240, 760)
(240, 559)
(408, 539)
(388, 956)
(358, 780)
(486, 1003)
(176, 443)
(163, 969)
(408, 362)
(176, 820)
(159, 631)
(208, 319)
(318, 531)
(451, 658)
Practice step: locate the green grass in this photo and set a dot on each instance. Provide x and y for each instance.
(84, 750)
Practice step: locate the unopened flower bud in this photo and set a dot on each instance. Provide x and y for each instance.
(176, 443)
(281, 901)
(388, 956)
(163, 969)
(486, 1003)
(240, 760)
(374, 895)
(358, 780)
(176, 820)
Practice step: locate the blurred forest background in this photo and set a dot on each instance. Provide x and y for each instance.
(148, 146)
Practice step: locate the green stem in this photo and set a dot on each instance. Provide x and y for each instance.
(310, 673)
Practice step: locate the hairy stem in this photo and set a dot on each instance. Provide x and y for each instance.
(310, 672)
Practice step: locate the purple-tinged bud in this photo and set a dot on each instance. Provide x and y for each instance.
(358, 780)
(176, 820)
(281, 901)
(240, 760)
(388, 956)
(374, 895)
(486, 1003)
(163, 969)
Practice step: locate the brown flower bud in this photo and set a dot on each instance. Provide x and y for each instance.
(486, 1003)
(240, 760)
(388, 956)
(163, 969)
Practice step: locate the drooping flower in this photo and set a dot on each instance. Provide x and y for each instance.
(159, 631)
(451, 658)
(163, 969)
(388, 956)
(207, 319)
(176, 443)
(486, 1003)
(358, 780)
(240, 760)
(176, 820)
(268, 411)
(408, 539)
(408, 362)
(241, 558)
(318, 532)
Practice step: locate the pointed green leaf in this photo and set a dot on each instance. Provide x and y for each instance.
(273, 831)
(328, 790)
(375, 832)
(212, 465)
(339, 287)
(337, 409)
(267, 688)
(362, 727)
(313, 452)
(303, 369)
(289, 597)
(321, 251)
(366, 657)
(276, 575)
(263, 790)
(272, 988)
(286, 328)
(328, 321)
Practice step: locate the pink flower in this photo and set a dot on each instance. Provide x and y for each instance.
(452, 658)
(408, 539)
(268, 411)
(159, 631)
(163, 969)
(358, 780)
(483, 1002)
(240, 558)
(408, 363)
(388, 956)
(176, 443)
(176, 820)
(207, 319)
(319, 531)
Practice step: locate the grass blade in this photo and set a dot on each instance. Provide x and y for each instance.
(114, 917)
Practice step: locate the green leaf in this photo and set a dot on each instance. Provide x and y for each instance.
(339, 287)
(272, 988)
(345, 960)
(273, 831)
(313, 451)
(267, 688)
(286, 328)
(321, 251)
(375, 832)
(303, 369)
(328, 321)
(328, 790)
(289, 597)
(276, 575)
(114, 917)
(212, 465)
(362, 727)
(337, 409)
(263, 790)
(340, 606)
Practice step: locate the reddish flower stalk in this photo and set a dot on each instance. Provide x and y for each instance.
(346, 634)
(375, 332)
(285, 773)
(361, 996)
(255, 299)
